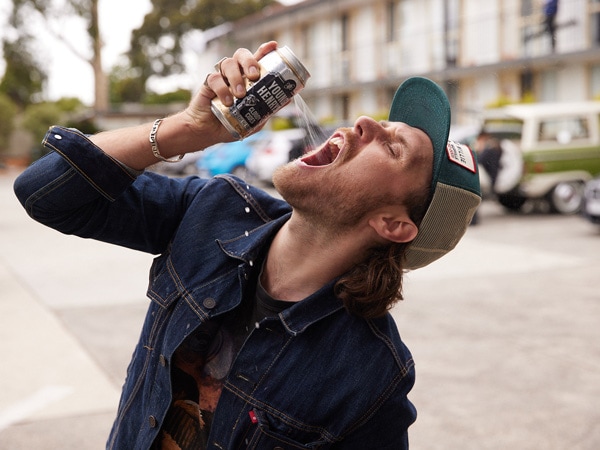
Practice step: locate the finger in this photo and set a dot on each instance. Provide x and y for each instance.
(265, 48)
(215, 86)
(219, 69)
(247, 67)
(237, 69)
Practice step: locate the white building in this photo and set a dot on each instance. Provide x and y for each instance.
(482, 52)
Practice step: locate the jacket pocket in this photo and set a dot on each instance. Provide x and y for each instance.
(162, 290)
(275, 433)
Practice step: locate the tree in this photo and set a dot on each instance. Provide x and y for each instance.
(24, 78)
(8, 111)
(50, 12)
(125, 85)
(156, 46)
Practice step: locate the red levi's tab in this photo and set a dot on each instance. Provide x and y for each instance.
(253, 418)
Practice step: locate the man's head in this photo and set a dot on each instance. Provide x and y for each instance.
(381, 172)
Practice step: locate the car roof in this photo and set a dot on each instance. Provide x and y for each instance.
(549, 109)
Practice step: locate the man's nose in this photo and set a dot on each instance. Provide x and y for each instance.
(367, 128)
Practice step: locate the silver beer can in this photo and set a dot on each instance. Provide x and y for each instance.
(282, 76)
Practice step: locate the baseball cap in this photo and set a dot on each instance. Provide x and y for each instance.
(455, 190)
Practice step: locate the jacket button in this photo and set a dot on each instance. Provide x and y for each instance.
(209, 303)
(152, 421)
(162, 360)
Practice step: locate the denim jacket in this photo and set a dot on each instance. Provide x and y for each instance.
(314, 377)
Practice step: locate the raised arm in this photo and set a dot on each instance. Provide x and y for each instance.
(192, 129)
(87, 188)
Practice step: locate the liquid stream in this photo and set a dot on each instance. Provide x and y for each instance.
(307, 120)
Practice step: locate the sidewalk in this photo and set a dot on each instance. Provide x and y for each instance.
(57, 392)
(505, 332)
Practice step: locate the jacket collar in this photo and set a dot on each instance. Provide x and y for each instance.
(302, 314)
(249, 246)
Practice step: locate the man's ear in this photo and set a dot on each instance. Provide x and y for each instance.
(394, 228)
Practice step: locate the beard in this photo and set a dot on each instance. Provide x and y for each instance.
(329, 197)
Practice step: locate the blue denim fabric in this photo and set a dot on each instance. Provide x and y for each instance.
(315, 377)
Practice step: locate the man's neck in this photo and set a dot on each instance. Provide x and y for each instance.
(302, 259)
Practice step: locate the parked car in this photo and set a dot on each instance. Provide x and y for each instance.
(550, 150)
(465, 134)
(183, 167)
(591, 201)
(280, 148)
(284, 146)
(229, 157)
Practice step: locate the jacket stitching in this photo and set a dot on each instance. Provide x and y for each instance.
(245, 194)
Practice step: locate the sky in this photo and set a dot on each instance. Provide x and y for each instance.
(68, 75)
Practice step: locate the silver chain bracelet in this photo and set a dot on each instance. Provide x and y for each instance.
(154, 144)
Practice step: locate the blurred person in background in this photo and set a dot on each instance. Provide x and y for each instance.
(550, 12)
(268, 324)
(489, 154)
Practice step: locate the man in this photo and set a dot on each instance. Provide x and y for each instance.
(268, 324)
(550, 12)
(489, 156)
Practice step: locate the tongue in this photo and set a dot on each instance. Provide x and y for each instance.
(320, 158)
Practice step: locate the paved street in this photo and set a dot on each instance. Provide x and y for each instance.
(505, 332)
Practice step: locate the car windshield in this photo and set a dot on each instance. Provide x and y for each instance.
(504, 128)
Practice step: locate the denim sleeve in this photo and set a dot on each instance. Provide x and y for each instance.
(78, 189)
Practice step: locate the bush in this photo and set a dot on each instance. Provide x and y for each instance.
(8, 111)
(37, 119)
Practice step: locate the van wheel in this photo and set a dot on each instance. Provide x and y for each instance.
(511, 202)
(566, 197)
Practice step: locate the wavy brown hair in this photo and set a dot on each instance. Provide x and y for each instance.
(372, 287)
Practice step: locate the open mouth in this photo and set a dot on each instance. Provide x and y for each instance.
(326, 154)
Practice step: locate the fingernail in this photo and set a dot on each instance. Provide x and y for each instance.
(239, 90)
(252, 71)
(228, 100)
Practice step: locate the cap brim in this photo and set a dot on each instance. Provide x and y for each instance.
(422, 104)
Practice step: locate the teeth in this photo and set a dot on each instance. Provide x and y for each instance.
(336, 141)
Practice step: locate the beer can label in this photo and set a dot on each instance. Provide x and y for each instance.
(267, 96)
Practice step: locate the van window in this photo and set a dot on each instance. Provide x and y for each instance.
(563, 130)
(504, 128)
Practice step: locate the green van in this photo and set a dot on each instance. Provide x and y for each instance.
(550, 150)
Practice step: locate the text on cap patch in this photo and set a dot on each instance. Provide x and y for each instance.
(461, 154)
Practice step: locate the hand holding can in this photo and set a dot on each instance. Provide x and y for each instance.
(282, 76)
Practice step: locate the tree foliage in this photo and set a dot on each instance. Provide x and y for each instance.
(24, 77)
(156, 46)
(8, 111)
(52, 14)
(125, 85)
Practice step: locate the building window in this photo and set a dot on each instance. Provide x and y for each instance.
(344, 25)
(452, 31)
(594, 16)
(305, 42)
(342, 107)
(526, 84)
(526, 8)
(595, 82)
(391, 19)
(549, 83)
